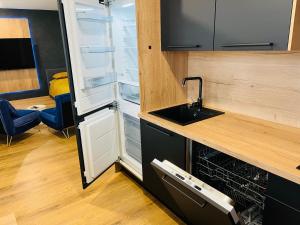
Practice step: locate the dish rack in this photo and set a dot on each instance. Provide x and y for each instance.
(244, 183)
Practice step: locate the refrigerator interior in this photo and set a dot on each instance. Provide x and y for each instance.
(243, 183)
(124, 36)
(124, 33)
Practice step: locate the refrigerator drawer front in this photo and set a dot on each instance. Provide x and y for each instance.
(132, 128)
(133, 149)
(198, 202)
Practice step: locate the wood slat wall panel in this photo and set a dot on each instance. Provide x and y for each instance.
(259, 84)
(17, 80)
(14, 28)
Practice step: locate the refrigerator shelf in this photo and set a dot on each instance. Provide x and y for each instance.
(132, 83)
(96, 49)
(129, 93)
(93, 17)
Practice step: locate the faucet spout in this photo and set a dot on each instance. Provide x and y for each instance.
(200, 87)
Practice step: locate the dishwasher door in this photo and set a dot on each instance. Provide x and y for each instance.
(198, 202)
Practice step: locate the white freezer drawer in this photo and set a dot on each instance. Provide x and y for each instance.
(132, 137)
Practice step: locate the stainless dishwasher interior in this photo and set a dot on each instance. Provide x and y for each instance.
(244, 183)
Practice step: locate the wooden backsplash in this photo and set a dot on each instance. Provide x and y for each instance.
(259, 84)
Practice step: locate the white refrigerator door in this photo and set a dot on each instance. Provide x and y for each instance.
(100, 142)
(88, 26)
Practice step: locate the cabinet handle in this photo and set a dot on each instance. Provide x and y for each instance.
(184, 46)
(159, 130)
(166, 178)
(248, 45)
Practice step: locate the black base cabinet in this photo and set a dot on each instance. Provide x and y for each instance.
(282, 202)
(161, 144)
(277, 213)
(259, 196)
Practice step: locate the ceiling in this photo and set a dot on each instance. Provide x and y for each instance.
(29, 4)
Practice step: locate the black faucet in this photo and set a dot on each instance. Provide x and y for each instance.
(199, 101)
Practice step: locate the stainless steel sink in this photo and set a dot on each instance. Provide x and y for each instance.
(186, 114)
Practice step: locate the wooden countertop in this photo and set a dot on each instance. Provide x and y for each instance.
(269, 146)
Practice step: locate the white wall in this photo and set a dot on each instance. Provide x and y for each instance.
(29, 4)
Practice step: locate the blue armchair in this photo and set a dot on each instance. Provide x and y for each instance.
(59, 118)
(14, 122)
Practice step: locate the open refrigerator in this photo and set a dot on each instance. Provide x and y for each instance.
(100, 41)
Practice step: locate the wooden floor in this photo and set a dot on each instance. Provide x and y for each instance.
(40, 185)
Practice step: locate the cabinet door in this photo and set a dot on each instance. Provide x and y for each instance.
(187, 24)
(252, 24)
(160, 144)
(282, 205)
(277, 213)
(284, 191)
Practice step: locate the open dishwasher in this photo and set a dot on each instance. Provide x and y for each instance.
(219, 190)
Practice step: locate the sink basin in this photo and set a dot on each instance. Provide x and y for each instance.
(186, 114)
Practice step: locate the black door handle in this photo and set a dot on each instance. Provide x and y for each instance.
(159, 130)
(270, 44)
(184, 46)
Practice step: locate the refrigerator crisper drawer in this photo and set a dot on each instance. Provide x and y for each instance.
(130, 93)
(132, 137)
(132, 128)
(134, 149)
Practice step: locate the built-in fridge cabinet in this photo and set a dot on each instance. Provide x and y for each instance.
(100, 42)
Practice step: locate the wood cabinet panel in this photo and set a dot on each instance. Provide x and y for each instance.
(161, 73)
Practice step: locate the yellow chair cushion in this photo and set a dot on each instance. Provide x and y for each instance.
(59, 87)
(60, 75)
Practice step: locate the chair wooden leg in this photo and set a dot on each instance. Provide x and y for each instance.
(8, 140)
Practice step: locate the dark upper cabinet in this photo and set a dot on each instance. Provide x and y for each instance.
(252, 24)
(161, 144)
(187, 24)
(225, 25)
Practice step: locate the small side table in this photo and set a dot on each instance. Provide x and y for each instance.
(37, 107)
